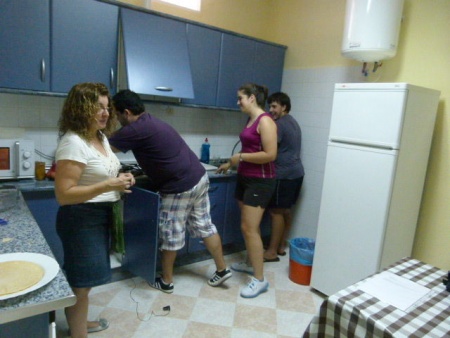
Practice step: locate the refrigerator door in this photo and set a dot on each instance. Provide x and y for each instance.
(354, 209)
(372, 117)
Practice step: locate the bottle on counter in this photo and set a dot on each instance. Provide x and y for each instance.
(204, 157)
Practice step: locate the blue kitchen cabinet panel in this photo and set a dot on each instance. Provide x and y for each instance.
(84, 43)
(232, 231)
(217, 198)
(25, 44)
(236, 68)
(246, 60)
(141, 214)
(204, 53)
(268, 66)
(44, 208)
(266, 224)
(52, 45)
(34, 326)
(156, 55)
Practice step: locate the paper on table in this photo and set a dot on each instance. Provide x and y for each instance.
(394, 290)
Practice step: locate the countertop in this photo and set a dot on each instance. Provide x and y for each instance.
(22, 234)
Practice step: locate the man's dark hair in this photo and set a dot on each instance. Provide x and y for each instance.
(127, 99)
(282, 99)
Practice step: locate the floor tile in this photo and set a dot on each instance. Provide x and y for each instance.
(135, 310)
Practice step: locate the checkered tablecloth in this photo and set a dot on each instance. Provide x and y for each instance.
(354, 313)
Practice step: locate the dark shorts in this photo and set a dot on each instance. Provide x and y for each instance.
(84, 232)
(286, 193)
(253, 191)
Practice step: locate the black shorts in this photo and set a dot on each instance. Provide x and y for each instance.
(286, 193)
(254, 191)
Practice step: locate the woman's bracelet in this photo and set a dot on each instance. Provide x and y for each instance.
(240, 157)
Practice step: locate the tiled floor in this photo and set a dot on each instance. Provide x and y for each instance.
(135, 310)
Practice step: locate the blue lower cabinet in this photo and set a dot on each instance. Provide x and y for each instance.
(35, 326)
(44, 208)
(266, 224)
(140, 215)
(232, 231)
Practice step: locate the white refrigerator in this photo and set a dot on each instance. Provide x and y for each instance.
(376, 163)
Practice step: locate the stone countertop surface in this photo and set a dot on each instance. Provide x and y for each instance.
(22, 234)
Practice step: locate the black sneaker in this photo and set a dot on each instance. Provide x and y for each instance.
(219, 277)
(160, 285)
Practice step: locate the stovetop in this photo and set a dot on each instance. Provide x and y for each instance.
(132, 168)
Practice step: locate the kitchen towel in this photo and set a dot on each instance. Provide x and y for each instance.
(118, 239)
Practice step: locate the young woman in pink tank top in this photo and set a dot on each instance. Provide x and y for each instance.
(255, 182)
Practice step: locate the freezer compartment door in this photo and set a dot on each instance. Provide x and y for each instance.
(368, 117)
(353, 213)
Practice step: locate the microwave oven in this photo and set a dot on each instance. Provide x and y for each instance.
(16, 159)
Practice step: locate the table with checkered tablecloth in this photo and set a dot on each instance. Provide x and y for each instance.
(354, 313)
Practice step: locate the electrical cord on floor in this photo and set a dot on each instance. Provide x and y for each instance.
(153, 313)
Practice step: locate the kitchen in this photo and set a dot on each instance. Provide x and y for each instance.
(313, 33)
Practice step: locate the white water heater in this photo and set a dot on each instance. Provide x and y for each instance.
(371, 29)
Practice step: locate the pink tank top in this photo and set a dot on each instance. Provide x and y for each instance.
(251, 143)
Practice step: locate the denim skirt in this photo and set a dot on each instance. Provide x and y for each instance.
(84, 230)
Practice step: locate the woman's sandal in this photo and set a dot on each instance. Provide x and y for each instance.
(103, 324)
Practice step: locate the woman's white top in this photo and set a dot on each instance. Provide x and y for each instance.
(98, 166)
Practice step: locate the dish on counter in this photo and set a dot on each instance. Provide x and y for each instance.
(50, 266)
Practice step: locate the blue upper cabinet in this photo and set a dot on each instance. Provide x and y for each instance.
(84, 43)
(52, 45)
(204, 53)
(25, 44)
(236, 68)
(246, 60)
(156, 55)
(268, 66)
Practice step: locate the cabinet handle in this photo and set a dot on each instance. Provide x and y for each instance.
(42, 70)
(111, 80)
(163, 89)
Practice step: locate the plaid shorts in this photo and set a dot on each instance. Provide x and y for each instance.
(189, 209)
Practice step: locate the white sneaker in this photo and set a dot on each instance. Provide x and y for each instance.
(254, 288)
(242, 267)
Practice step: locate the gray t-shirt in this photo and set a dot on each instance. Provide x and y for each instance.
(288, 163)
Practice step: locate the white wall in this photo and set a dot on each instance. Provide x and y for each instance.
(311, 93)
(36, 117)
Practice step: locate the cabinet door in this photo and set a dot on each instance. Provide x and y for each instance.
(156, 55)
(44, 208)
(232, 230)
(84, 43)
(204, 53)
(34, 326)
(217, 196)
(25, 44)
(141, 214)
(236, 68)
(268, 66)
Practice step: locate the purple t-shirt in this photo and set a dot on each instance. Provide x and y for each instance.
(161, 152)
(251, 143)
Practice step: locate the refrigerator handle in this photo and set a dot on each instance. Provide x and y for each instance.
(363, 144)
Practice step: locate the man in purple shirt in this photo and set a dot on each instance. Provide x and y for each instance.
(177, 174)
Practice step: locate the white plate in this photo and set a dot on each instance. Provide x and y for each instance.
(50, 266)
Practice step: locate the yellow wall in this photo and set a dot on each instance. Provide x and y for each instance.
(312, 30)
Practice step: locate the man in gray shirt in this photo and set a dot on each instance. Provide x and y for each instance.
(290, 172)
